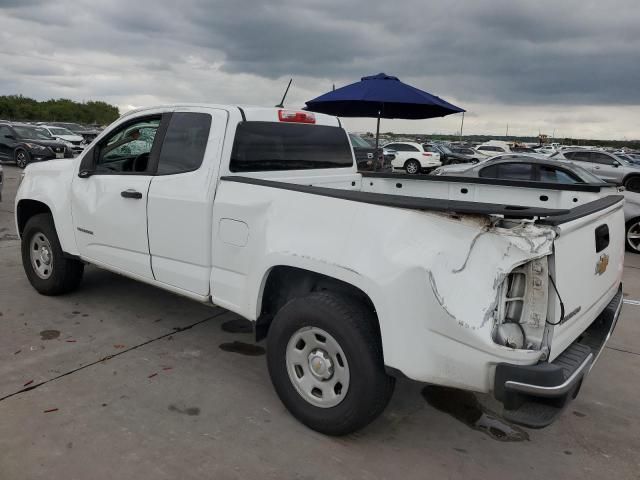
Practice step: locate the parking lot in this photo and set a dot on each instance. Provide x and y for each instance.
(122, 380)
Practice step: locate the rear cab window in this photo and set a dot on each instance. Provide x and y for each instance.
(184, 143)
(269, 146)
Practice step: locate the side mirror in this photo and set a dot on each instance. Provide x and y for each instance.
(87, 165)
(616, 163)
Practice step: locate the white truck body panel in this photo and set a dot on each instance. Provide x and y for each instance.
(433, 277)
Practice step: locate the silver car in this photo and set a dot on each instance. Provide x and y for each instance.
(604, 165)
(527, 168)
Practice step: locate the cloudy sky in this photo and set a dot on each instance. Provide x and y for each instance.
(569, 66)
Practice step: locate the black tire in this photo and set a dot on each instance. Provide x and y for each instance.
(65, 274)
(632, 183)
(632, 227)
(22, 157)
(355, 329)
(412, 166)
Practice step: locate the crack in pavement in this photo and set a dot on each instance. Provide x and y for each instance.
(623, 350)
(109, 357)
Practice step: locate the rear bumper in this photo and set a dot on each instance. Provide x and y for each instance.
(533, 395)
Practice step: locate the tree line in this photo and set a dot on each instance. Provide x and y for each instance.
(19, 108)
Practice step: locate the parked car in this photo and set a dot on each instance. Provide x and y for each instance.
(452, 169)
(413, 157)
(88, 133)
(75, 142)
(261, 211)
(471, 153)
(365, 154)
(494, 147)
(363, 151)
(546, 150)
(448, 156)
(24, 144)
(607, 166)
(530, 169)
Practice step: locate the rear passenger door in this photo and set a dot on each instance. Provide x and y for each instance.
(181, 199)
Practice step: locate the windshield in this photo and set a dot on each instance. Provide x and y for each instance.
(358, 141)
(60, 131)
(32, 132)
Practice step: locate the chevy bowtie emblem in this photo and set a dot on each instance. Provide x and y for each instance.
(602, 264)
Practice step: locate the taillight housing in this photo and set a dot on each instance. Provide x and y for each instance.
(427, 154)
(293, 116)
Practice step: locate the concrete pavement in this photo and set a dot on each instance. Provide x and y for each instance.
(132, 382)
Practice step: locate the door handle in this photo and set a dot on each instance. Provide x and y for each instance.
(131, 194)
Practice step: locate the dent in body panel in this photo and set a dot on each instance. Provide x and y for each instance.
(491, 254)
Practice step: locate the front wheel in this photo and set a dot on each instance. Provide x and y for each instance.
(412, 166)
(325, 361)
(44, 262)
(632, 235)
(22, 158)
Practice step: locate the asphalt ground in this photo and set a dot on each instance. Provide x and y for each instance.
(122, 380)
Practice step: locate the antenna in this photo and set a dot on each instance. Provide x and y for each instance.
(281, 104)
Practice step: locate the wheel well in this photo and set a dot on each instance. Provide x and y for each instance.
(629, 176)
(285, 283)
(27, 209)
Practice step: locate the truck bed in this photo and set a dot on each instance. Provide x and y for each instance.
(448, 194)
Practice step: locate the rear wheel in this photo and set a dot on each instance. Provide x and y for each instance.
(325, 361)
(632, 183)
(44, 262)
(412, 166)
(22, 158)
(632, 237)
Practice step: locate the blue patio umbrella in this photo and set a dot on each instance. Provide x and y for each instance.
(381, 96)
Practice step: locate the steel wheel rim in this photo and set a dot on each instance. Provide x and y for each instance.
(411, 167)
(633, 236)
(317, 367)
(41, 255)
(22, 159)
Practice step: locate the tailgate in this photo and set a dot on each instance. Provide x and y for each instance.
(586, 265)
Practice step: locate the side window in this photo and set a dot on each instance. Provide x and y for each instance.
(489, 172)
(4, 131)
(410, 148)
(127, 150)
(553, 175)
(184, 143)
(510, 171)
(392, 146)
(580, 156)
(601, 158)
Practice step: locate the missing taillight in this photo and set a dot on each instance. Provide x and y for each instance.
(521, 310)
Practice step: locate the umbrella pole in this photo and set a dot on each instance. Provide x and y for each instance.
(376, 165)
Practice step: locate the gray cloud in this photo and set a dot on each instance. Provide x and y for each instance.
(484, 54)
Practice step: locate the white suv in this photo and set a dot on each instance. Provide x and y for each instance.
(414, 157)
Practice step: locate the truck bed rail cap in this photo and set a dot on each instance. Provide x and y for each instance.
(575, 187)
(413, 203)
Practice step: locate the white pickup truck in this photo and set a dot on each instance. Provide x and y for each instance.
(354, 279)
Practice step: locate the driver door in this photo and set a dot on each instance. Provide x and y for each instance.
(109, 196)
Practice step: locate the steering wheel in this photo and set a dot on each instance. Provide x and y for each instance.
(138, 166)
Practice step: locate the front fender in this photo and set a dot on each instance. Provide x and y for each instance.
(50, 183)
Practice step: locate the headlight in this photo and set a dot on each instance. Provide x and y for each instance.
(36, 148)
